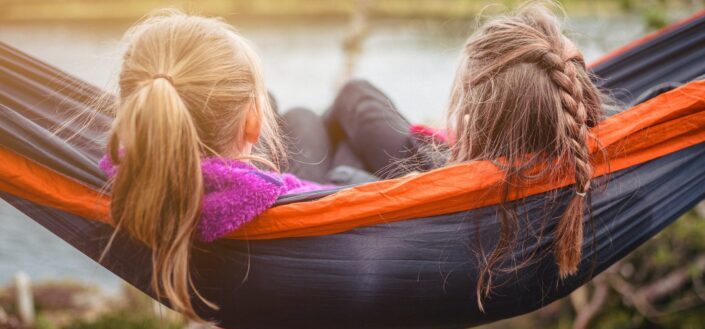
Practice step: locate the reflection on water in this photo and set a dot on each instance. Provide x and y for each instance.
(413, 61)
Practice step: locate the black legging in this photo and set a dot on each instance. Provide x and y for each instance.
(362, 129)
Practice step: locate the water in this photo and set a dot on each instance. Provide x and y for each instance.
(413, 61)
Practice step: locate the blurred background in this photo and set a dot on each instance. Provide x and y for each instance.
(408, 48)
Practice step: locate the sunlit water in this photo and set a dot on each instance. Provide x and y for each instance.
(413, 61)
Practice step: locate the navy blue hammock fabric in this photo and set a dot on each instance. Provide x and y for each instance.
(416, 273)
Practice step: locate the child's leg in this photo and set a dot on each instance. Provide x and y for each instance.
(309, 149)
(376, 132)
(345, 156)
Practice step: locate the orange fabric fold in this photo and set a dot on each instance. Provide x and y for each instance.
(663, 125)
(28, 180)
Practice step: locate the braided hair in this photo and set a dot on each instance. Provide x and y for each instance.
(523, 98)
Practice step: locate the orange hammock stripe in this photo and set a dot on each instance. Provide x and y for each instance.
(666, 124)
(31, 181)
(663, 125)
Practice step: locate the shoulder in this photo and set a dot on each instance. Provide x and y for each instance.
(293, 184)
(234, 194)
(220, 174)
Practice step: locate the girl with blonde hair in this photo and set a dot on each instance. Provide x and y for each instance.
(192, 119)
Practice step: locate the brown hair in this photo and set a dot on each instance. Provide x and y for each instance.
(186, 85)
(523, 98)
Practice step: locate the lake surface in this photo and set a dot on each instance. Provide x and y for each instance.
(413, 61)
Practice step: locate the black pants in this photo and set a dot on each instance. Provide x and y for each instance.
(362, 130)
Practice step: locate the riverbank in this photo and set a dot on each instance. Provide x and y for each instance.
(130, 10)
(74, 305)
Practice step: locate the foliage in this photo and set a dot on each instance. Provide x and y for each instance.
(655, 18)
(45, 323)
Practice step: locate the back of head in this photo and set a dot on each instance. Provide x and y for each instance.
(186, 85)
(523, 97)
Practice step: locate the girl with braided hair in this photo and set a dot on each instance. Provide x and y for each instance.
(523, 98)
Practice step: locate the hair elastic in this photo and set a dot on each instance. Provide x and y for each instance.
(580, 194)
(163, 76)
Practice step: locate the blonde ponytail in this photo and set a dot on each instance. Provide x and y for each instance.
(160, 173)
(186, 86)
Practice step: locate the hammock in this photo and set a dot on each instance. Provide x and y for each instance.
(396, 253)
